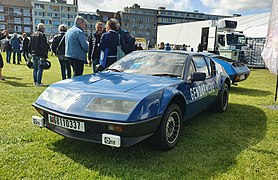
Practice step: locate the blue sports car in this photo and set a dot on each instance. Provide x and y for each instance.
(146, 94)
(236, 70)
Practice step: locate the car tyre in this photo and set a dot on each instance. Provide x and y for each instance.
(222, 100)
(168, 132)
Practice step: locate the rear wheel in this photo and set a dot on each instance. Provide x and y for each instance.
(168, 133)
(222, 100)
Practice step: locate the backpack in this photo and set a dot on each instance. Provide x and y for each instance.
(58, 44)
(129, 40)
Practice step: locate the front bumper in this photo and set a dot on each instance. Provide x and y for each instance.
(96, 130)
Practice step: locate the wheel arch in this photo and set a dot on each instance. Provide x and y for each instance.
(228, 82)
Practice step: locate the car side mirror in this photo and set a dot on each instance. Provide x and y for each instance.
(198, 76)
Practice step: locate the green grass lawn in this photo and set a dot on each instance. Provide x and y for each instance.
(241, 143)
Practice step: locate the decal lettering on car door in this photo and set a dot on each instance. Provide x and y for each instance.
(202, 90)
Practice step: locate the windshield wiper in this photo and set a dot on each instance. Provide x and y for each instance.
(115, 70)
(166, 74)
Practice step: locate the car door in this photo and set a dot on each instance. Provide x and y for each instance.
(201, 93)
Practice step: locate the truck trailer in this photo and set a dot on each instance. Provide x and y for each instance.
(213, 36)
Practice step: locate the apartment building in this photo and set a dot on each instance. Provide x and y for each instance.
(140, 22)
(166, 17)
(91, 19)
(143, 22)
(53, 13)
(16, 16)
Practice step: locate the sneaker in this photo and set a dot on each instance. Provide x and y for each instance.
(40, 85)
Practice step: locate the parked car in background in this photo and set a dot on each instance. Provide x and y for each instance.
(145, 94)
(237, 71)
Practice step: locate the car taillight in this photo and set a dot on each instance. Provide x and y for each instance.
(237, 64)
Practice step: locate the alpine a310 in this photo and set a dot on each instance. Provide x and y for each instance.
(146, 94)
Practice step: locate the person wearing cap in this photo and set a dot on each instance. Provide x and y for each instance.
(39, 49)
(76, 45)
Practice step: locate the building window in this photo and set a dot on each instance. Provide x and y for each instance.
(141, 18)
(2, 26)
(37, 21)
(56, 23)
(63, 16)
(133, 18)
(148, 19)
(56, 8)
(56, 15)
(17, 11)
(17, 20)
(27, 29)
(26, 12)
(1, 9)
(48, 30)
(70, 16)
(37, 13)
(17, 29)
(2, 18)
(46, 22)
(48, 14)
(27, 21)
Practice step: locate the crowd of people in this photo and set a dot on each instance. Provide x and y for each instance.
(71, 47)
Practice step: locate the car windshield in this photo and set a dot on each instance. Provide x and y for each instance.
(151, 63)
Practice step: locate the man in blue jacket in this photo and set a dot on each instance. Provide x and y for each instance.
(15, 43)
(76, 45)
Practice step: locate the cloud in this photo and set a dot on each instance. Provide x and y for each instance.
(236, 6)
(116, 5)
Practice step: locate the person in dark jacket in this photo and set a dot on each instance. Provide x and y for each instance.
(94, 52)
(3, 35)
(25, 45)
(39, 49)
(58, 47)
(8, 49)
(110, 40)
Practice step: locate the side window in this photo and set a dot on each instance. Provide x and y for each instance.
(201, 65)
(190, 71)
(208, 61)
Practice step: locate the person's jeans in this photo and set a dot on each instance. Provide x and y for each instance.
(25, 55)
(77, 66)
(65, 68)
(16, 52)
(38, 70)
(8, 56)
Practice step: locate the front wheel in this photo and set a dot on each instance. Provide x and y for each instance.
(168, 132)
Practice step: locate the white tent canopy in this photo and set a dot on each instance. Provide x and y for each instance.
(254, 26)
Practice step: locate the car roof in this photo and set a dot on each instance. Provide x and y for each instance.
(174, 51)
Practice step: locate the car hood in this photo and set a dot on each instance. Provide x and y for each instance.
(108, 82)
(73, 96)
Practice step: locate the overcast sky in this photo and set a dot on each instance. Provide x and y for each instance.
(220, 7)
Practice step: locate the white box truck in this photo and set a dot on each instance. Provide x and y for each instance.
(213, 36)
